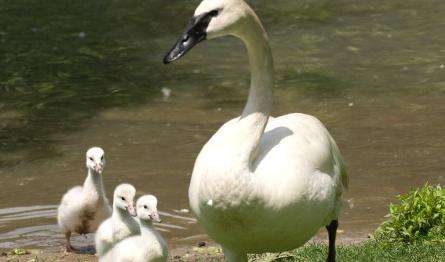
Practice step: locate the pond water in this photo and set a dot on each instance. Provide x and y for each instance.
(74, 74)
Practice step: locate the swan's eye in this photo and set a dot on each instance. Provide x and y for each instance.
(102, 158)
(214, 12)
(145, 206)
(186, 38)
(91, 159)
(123, 198)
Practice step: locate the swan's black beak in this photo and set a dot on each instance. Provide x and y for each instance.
(194, 33)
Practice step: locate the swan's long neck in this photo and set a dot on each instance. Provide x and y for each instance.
(93, 184)
(259, 103)
(261, 69)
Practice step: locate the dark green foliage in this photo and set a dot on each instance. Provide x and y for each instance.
(420, 215)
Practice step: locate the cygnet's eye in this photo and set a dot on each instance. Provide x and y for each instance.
(91, 159)
(145, 206)
(102, 158)
(123, 198)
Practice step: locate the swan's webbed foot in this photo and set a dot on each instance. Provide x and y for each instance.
(332, 232)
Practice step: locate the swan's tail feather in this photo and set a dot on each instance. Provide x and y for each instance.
(340, 163)
(343, 173)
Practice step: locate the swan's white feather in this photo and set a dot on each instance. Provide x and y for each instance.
(294, 190)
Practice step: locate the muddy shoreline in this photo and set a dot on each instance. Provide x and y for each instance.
(202, 251)
(207, 253)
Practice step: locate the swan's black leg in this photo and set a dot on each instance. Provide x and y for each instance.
(332, 232)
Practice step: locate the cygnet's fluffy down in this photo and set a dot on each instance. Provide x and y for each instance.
(121, 224)
(147, 247)
(83, 208)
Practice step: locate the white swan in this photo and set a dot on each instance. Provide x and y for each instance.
(121, 224)
(83, 208)
(149, 246)
(261, 184)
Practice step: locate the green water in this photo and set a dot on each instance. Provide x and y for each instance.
(80, 73)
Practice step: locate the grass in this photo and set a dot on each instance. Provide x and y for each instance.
(371, 250)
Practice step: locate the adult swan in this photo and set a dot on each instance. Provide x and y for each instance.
(261, 184)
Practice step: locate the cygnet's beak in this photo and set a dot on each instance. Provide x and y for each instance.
(194, 33)
(155, 216)
(131, 210)
(99, 168)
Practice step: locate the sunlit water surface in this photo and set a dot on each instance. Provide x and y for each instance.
(74, 75)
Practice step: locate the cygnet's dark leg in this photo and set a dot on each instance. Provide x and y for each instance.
(68, 247)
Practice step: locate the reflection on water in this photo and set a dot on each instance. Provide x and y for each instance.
(77, 74)
(44, 233)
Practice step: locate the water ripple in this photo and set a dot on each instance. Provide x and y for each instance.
(36, 226)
